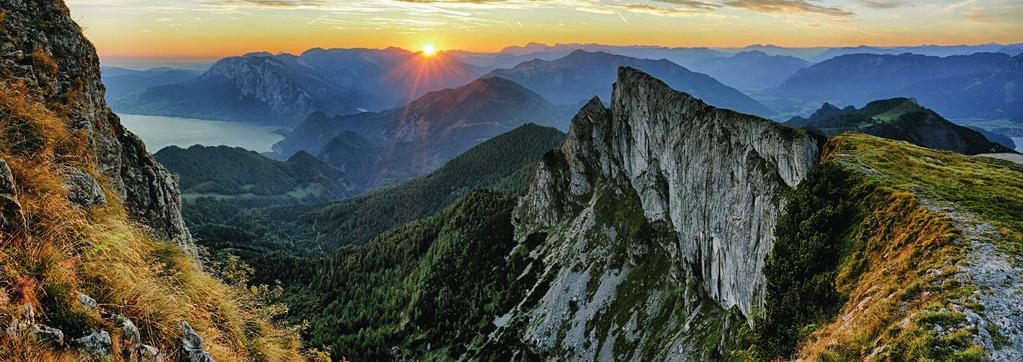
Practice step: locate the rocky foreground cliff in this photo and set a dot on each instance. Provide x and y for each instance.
(96, 261)
(666, 229)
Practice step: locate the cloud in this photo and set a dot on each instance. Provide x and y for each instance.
(885, 4)
(692, 4)
(787, 6)
(276, 3)
(1001, 13)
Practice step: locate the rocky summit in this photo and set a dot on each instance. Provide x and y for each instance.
(657, 215)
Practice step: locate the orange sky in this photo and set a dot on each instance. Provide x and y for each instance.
(216, 28)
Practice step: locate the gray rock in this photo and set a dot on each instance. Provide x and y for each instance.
(82, 189)
(86, 301)
(716, 176)
(709, 183)
(150, 354)
(131, 338)
(11, 217)
(191, 346)
(23, 320)
(48, 334)
(97, 343)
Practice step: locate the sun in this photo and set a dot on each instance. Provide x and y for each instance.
(429, 50)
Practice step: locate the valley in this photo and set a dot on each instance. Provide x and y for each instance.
(159, 132)
(389, 181)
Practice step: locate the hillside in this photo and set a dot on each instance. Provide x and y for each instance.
(283, 89)
(235, 172)
(96, 261)
(972, 86)
(412, 140)
(780, 247)
(899, 119)
(917, 257)
(582, 75)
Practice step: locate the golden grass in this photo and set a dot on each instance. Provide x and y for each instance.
(65, 249)
(901, 276)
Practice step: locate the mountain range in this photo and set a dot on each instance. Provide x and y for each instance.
(284, 89)
(121, 82)
(665, 228)
(391, 146)
(582, 75)
(980, 85)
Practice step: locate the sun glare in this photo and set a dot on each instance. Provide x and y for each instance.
(429, 50)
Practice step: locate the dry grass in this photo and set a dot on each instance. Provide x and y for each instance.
(901, 280)
(65, 249)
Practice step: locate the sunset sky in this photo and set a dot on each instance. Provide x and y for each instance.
(214, 28)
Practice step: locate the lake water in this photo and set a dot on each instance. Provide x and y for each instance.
(159, 132)
(1019, 143)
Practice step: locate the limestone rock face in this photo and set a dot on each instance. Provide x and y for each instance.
(716, 177)
(42, 47)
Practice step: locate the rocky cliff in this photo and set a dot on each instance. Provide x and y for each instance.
(715, 176)
(656, 217)
(95, 261)
(43, 50)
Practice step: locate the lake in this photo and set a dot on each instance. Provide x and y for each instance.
(159, 132)
(1019, 143)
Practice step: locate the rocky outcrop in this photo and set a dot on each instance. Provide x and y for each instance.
(82, 189)
(42, 48)
(716, 177)
(96, 343)
(11, 218)
(191, 346)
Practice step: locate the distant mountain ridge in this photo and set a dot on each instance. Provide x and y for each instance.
(284, 89)
(981, 85)
(400, 143)
(121, 82)
(751, 69)
(582, 75)
(900, 119)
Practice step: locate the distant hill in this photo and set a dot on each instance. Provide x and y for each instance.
(121, 82)
(900, 119)
(284, 89)
(231, 172)
(401, 143)
(981, 85)
(582, 75)
(751, 69)
(929, 50)
(505, 163)
(513, 55)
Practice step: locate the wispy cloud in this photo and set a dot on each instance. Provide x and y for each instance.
(1000, 13)
(885, 4)
(787, 6)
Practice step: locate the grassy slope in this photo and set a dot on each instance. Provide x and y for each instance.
(897, 269)
(64, 249)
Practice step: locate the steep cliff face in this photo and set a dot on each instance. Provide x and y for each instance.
(714, 176)
(657, 215)
(42, 49)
